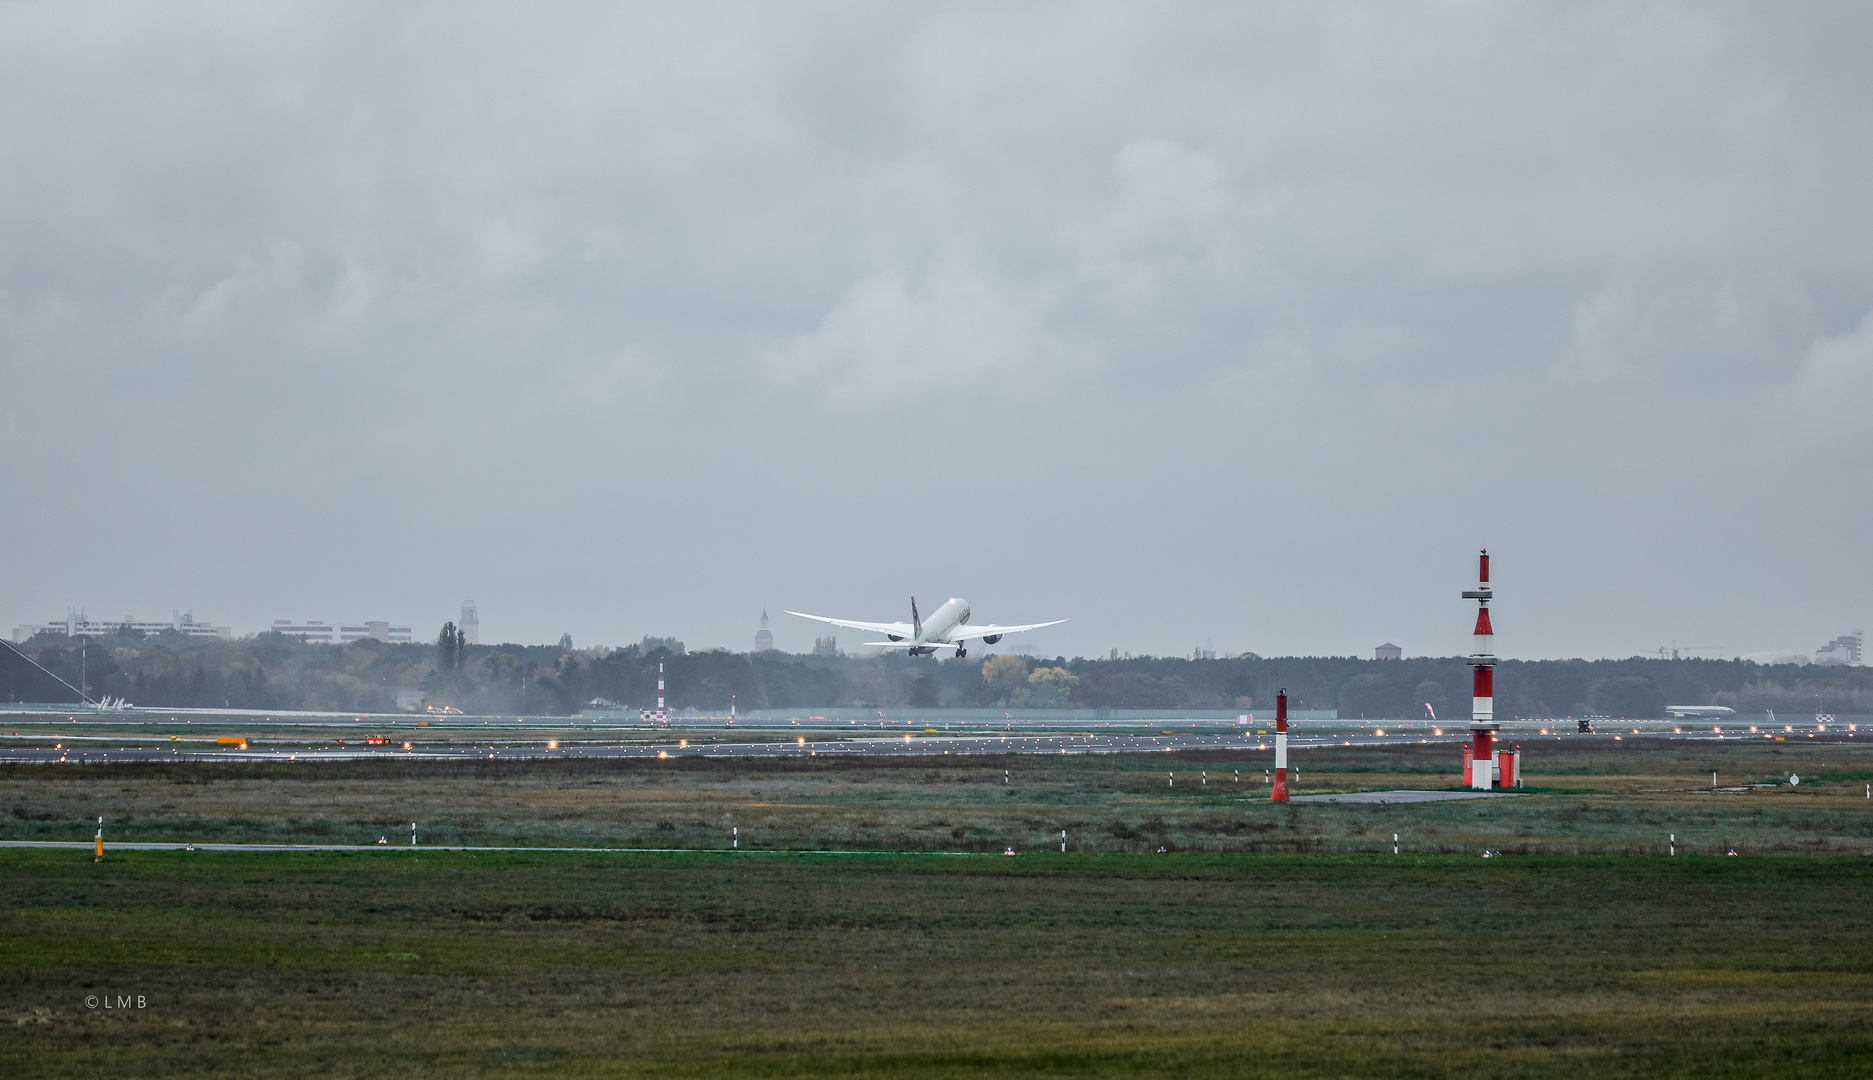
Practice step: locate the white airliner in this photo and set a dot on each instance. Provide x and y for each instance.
(1708, 712)
(947, 628)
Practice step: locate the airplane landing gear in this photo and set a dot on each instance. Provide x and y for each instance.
(961, 653)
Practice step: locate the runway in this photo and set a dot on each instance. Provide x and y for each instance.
(96, 750)
(101, 739)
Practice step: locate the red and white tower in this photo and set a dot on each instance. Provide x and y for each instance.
(659, 716)
(1481, 765)
(1280, 794)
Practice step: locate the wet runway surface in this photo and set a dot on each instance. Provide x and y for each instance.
(138, 738)
(97, 749)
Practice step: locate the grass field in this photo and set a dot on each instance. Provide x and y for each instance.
(1593, 797)
(1263, 941)
(769, 964)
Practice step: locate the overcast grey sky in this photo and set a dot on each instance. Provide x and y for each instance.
(1249, 322)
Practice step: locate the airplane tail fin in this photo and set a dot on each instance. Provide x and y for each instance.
(916, 621)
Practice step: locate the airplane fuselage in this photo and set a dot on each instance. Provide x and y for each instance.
(936, 630)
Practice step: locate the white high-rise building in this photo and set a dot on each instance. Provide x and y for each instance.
(470, 626)
(1845, 649)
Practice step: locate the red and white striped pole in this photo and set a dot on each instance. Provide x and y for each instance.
(1280, 793)
(1483, 726)
(660, 685)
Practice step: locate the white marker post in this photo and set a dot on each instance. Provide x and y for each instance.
(412, 834)
(1394, 843)
(1173, 782)
(735, 841)
(1063, 841)
(1674, 844)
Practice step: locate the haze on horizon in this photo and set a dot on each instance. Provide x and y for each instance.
(1183, 321)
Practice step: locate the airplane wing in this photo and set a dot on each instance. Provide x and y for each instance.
(889, 629)
(964, 633)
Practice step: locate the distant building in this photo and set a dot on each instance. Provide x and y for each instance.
(377, 630)
(470, 626)
(312, 630)
(1205, 651)
(75, 624)
(325, 633)
(1845, 649)
(763, 638)
(1388, 651)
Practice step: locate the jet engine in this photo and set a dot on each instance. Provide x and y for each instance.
(991, 639)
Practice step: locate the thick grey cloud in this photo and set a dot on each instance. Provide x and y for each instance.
(1182, 320)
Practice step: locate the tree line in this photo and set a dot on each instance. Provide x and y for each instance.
(275, 671)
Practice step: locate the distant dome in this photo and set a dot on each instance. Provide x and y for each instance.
(763, 638)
